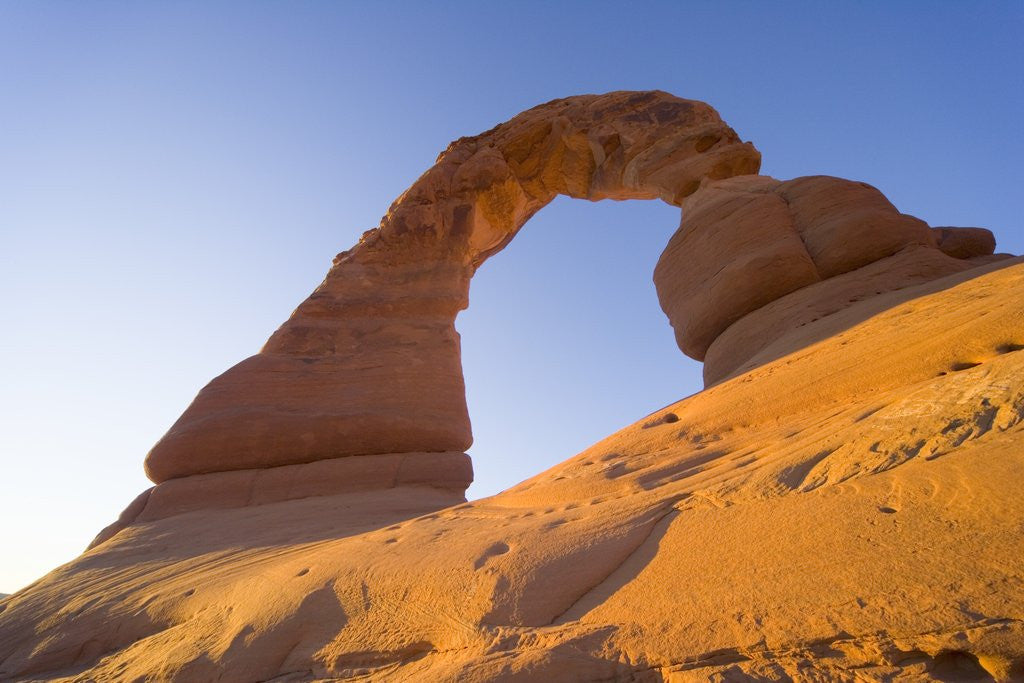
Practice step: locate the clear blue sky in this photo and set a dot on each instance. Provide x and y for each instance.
(177, 176)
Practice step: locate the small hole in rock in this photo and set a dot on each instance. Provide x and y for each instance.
(957, 367)
(1009, 348)
(670, 418)
(887, 510)
(958, 665)
(303, 572)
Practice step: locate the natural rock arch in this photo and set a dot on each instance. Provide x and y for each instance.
(369, 364)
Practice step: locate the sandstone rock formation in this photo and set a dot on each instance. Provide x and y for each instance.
(965, 243)
(841, 504)
(745, 242)
(369, 363)
(849, 511)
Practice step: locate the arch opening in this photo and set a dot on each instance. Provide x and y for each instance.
(564, 338)
(370, 363)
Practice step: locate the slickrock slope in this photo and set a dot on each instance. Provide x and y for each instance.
(850, 511)
(842, 504)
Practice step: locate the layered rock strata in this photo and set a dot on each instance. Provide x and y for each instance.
(370, 363)
(448, 475)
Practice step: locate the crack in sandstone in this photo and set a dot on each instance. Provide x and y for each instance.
(670, 511)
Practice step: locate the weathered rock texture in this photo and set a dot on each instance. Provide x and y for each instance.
(843, 504)
(816, 243)
(369, 363)
(447, 474)
(849, 511)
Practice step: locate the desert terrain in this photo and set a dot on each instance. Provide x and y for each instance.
(841, 501)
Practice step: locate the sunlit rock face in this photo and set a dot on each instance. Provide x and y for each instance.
(841, 503)
(754, 257)
(370, 362)
(848, 511)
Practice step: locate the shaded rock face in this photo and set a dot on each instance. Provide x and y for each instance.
(817, 243)
(965, 243)
(370, 362)
(448, 475)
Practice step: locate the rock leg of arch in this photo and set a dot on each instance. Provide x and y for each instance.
(755, 257)
(370, 362)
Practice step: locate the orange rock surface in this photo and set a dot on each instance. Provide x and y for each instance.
(749, 240)
(841, 503)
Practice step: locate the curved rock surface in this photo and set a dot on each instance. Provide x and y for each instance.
(755, 256)
(774, 527)
(965, 243)
(369, 363)
(744, 339)
(842, 504)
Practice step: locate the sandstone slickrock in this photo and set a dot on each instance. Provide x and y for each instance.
(369, 363)
(744, 339)
(842, 503)
(848, 511)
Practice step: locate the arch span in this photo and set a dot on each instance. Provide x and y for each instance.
(370, 364)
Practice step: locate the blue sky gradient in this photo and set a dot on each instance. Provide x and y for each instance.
(177, 176)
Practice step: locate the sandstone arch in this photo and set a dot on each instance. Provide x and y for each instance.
(369, 364)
